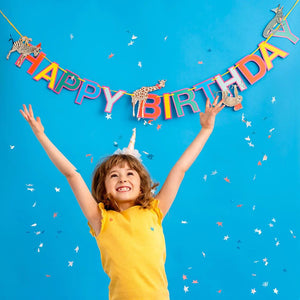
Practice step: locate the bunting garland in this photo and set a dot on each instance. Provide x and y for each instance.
(87, 89)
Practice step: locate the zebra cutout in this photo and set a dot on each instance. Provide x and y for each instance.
(23, 47)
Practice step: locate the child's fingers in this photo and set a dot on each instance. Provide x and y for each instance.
(31, 111)
(207, 103)
(24, 115)
(25, 109)
(220, 108)
(220, 103)
(216, 100)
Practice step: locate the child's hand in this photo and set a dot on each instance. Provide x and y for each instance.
(207, 119)
(36, 125)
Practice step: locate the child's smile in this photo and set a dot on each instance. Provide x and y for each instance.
(123, 185)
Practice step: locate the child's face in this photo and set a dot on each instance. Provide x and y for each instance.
(123, 184)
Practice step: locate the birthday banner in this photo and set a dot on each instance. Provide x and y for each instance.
(88, 89)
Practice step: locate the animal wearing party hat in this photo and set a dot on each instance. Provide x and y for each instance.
(130, 149)
(230, 101)
(141, 96)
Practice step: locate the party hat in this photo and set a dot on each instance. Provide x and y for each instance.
(130, 149)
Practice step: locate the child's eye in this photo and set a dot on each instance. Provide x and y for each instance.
(113, 175)
(130, 173)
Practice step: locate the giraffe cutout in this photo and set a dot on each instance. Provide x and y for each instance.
(141, 96)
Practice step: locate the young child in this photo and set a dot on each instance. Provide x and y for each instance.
(123, 216)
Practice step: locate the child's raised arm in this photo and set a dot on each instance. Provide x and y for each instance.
(82, 193)
(169, 189)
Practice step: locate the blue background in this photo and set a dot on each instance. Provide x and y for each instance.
(218, 33)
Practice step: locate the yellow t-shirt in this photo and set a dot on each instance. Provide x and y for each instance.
(133, 253)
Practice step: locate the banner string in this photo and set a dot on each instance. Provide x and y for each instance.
(170, 94)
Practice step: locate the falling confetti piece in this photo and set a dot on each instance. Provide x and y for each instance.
(54, 215)
(265, 284)
(248, 124)
(130, 43)
(259, 163)
(140, 64)
(257, 230)
(200, 62)
(92, 159)
(111, 55)
(271, 129)
(48, 275)
(219, 291)
(186, 289)
(227, 180)
(33, 225)
(273, 100)
(108, 117)
(34, 204)
(205, 177)
(134, 37)
(184, 277)
(57, 189)
(265, 157)
(275, 291)
(115, 144)
(203, 254)
(70, 263)
(214, 172)
(184, 222)
(226, 238)
(88, 155)
(11, 147)
(247, 138)
(41, 245)
(165, 38)
(158, 126)
(220, 224)
(253, 291)
(30, 189)
(195, 281)
(76, 249)
(251, 145)
(71, 36)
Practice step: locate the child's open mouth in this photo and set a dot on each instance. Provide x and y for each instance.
(123, 189)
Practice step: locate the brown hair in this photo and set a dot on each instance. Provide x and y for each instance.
(102, 169)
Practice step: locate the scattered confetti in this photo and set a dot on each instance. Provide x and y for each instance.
(57, 190)
(140, 64)
(130, 43)
(219, 291)
(158, 126)
(220, 224)
(195, 281)
(115, 144)
(184, 277)
(203, 254)
(54, 215)
(11, 147)
(134, 37)
(186, 289)
(273, 100)
(76, 249)
(259, 163)
(184, 222)
(33, 225)
(275, 291)
(71, 36)
(200, 62)
(108, 117)
(205, 177)
(265, 284)
(265, 157)
(248, 124)
(226, 238)
(165, 38)
(251, 145)
(214, 172)
(34, 204)
(258, 231)
(247, 138)
(253, 291)
(111, 55)
(70, 263)
(227, 180)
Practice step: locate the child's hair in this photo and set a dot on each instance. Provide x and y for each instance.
(98, 183)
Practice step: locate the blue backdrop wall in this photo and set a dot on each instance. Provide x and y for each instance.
(233, 230)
